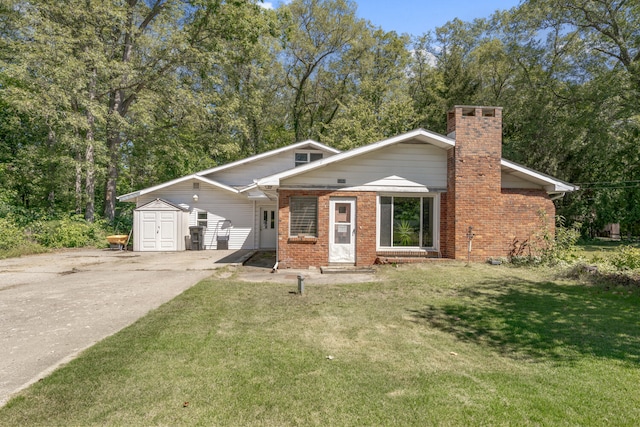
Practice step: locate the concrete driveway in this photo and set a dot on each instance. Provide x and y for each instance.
(53, 306)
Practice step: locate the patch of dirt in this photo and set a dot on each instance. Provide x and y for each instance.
(262, 259)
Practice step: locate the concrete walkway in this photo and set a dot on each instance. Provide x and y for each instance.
(53, 306)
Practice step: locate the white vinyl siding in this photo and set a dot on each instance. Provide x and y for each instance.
(512, 181)
(219, 206)
(420, 163)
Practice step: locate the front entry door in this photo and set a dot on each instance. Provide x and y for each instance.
(268, 228)
(342, 235)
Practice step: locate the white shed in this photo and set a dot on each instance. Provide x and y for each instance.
(160, 226)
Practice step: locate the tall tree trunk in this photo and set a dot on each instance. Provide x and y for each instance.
(113, 147)
(51, 194)
(90, 183)
(117, 110)
(78, 187)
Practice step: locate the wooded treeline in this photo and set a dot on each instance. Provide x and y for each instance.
(103, 97)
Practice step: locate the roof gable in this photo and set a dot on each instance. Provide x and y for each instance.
(419, 136)
(297, 146)
(160, 205)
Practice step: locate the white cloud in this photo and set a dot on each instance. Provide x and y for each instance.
(266, 5)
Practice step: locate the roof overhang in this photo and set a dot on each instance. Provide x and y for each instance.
(549, 183)
(133, 196)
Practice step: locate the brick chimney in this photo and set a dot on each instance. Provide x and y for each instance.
(473, 182)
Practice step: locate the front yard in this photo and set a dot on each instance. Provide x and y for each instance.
(439, 344)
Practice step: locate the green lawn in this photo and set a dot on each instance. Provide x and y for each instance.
(439, 344)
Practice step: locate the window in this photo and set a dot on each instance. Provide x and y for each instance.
(406, 221)
(304, 158)
(303, 216)
(202, 219)
(268, 224)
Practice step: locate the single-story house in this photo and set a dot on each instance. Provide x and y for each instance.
(406, 198)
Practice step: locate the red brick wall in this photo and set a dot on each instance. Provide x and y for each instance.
(474, 195)
(295, 252)
(526, 213)
(448, 211)
(475, 181)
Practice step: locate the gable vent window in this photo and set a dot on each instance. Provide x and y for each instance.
(304, 158)
(196, 185)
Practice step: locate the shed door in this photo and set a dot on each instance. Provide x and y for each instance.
(342, 234)
(159, 231)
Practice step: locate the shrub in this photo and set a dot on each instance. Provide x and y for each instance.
(563, 247)
(11, 234)
(626, 258)
(70, 232)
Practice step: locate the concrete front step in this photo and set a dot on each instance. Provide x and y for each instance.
(346, 269)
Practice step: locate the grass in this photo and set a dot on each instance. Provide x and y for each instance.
(440, 344)
(601, 248)
(24, 249)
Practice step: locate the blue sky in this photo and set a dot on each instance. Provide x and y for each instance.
(416, 17)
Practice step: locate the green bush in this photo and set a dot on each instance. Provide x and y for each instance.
(626, 258)
(70, 232)
(563, 247)
(11, 234)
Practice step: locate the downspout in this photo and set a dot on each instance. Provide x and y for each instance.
(275, 266)
(558, 196)
(256, 234)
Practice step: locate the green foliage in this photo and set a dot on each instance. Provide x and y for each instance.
(405, 234)
(11, 234)
(206, 82)
(70, 232)
(563, 247)
(626, 257)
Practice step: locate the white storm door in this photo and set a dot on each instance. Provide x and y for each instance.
(268, 228)
(342, 231)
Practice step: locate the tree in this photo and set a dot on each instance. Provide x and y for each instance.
(321, 40)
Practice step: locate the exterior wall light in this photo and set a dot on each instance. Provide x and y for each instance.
(195, 197)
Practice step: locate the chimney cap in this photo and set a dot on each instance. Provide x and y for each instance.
(475, 106)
